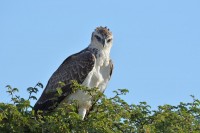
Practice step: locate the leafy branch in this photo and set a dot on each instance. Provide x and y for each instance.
(107, 115)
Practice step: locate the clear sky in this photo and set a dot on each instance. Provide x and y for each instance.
(156, 50)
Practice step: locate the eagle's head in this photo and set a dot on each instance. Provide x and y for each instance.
(102, 38)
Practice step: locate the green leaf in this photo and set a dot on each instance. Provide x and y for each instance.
(29, 89)
(59, 90)
(15, 90)
(61, 84)
(35, 90)
(9, 87)
(40, 85)
(33, 97)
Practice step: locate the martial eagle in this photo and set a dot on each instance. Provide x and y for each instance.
(91, 67)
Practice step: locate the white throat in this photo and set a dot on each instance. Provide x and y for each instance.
(104, 50)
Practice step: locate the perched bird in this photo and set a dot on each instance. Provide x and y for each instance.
(91, 67)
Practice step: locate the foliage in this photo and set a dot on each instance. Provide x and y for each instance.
(108, 115)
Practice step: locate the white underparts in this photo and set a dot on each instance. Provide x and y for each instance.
(98, 77)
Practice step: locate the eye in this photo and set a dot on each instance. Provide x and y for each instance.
(98, 38)
(109, 40)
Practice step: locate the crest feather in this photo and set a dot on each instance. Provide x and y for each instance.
(104, 31)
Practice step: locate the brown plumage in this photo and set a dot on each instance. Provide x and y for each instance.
(76, 67)
(103, 31)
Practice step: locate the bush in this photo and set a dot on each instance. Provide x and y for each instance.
(108, 115)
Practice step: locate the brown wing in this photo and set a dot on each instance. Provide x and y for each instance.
(111, 67)
(76, 67)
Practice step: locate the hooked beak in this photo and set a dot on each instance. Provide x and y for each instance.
(103, 42)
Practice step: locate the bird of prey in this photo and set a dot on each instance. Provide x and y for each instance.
(91, 67)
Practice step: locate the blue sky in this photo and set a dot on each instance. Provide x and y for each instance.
(155, 51)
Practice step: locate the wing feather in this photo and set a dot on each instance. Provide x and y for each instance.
(111, 67)
(76, 67)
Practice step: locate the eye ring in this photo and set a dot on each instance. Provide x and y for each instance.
(109, 40)
(98, 38)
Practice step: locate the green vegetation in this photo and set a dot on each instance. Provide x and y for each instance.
(108, 115)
